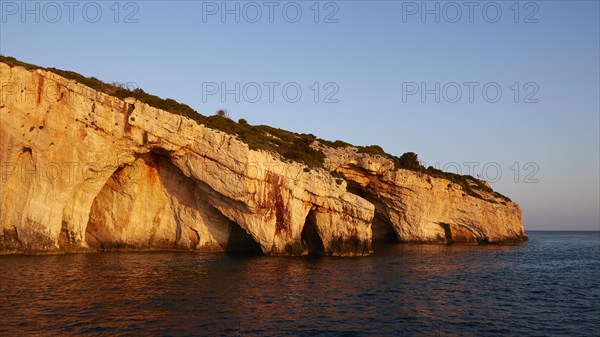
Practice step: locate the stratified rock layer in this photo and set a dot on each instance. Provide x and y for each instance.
(82, 170)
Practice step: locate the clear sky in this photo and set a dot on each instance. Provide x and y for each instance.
(379, 67)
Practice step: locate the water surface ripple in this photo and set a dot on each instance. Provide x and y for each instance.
(548, 286)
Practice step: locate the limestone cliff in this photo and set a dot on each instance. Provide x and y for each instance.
(84, 170)
(418, 207)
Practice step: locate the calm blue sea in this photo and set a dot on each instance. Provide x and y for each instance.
(547, 286)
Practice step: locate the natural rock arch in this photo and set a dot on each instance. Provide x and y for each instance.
(151, 204)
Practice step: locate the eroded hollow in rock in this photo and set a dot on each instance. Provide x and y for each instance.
(447, 232)
(311, 240)
(355, 188)
(240, 242)
(383, 230)
(151, 204)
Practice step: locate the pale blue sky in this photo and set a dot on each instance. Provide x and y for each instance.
(373, 54)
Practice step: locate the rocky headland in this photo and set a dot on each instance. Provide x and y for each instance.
(89, 166)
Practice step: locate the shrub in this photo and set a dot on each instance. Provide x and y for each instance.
(410, 160)
(375, 150)
(222, 113)
(336, 144)
(243, 121)
(13, 62)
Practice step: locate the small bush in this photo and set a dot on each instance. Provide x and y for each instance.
(410, 161)
(336, 144)
(243, 121)
(222, 113)
(374, 150)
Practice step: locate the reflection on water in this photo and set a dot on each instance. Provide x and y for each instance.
(549, 285)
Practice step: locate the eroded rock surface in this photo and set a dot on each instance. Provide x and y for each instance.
(415, 207)
(82, 170)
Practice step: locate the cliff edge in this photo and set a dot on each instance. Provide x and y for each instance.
(90, 169)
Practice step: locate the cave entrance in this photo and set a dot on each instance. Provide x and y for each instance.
(447, 233)
(383, 229)
(240, 242)
(166, 205)
(311, 240)
(355, 188)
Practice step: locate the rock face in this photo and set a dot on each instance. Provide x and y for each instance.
(82, 170)
(416, 207)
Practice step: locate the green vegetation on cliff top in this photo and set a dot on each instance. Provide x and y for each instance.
(291, 146)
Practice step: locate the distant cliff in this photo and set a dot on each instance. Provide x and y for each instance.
(90, 166)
